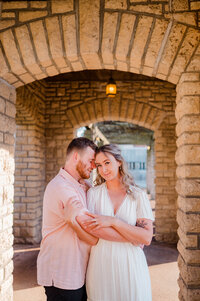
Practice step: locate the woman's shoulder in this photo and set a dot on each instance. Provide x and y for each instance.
(96, 189)
(137, 191)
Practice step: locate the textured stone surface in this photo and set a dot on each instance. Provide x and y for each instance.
(7, 130)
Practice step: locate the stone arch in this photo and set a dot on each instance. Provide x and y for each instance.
(50, 38)
(128, 110)
(152, 40)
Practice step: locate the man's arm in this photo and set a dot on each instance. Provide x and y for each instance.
(71, 210)
(107, 233)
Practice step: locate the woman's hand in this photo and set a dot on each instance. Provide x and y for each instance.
(98, 221)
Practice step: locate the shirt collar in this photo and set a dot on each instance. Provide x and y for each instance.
(63, 173)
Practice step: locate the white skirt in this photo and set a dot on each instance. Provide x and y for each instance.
(117, 272)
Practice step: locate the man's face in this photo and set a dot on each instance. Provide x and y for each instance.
(86, 163)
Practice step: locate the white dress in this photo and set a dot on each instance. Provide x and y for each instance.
(118, 271)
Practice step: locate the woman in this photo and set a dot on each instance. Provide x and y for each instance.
(117, 271)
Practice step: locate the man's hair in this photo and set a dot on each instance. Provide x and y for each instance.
(80, 144)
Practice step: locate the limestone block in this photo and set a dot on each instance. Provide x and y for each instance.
(194, 64)
(195, 6)
(188, 241)
(188, 171)
(30, 15)
(38, 4)
(189, 256)
(188, 154)
(143, 29)
(191, 40)
(14, 5)
(98, 110)
(123, 109)
(180, 5)
(155, 42)
(188, 187)
(70, 42)
(6, 257)
(150, 8)
(6, 289)
(40, 42)
(4, 67)
(188, 222)
(91, 111)
(10, 109)
(189, 204)
(190, 274)
(187, 293)
(27, 216)
(130, 110)
(10, 48)
(188, 138)
(61, 6)
(7, 123)
(6, 24)
(116, 4)
(124, 37)
(8, 269)
(184, 17)
(189, 104)
(170, 50)
(89, 32)
(109, 29)
(145, 112)
(188, 123)
(188, 88)
(26, 49)
(55, 41)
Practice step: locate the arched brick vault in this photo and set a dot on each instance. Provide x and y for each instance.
(52, 116)
(158, 39)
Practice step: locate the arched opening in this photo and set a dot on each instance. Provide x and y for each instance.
(160, 40)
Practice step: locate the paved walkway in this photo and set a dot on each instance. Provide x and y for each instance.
(162, 261)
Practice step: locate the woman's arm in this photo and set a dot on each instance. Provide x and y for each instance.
(107, 233)
(142, 233)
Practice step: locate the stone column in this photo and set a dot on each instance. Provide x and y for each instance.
(165, 168)
(188, 184)
(7, 142)
(150, 175)
(30, 164)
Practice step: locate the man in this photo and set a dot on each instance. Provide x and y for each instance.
(64, 252)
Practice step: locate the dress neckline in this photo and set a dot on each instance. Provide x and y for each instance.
(111, 204)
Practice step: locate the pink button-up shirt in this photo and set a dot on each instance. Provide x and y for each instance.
(63, 257)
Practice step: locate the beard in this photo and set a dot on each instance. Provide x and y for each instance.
(82, 171)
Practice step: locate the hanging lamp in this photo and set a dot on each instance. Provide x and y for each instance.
(111, 88)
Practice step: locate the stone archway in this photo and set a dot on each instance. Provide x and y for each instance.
(38, 40)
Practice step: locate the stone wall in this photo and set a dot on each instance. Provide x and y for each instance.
(150, 175)
(188, 183)
(30, 163)
(165, 170)
(7, 132)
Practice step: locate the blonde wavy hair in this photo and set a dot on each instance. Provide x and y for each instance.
(126, 178)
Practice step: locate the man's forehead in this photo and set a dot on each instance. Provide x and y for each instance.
(89, 152)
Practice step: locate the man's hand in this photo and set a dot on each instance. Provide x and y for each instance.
(97, 221)
(72, 209)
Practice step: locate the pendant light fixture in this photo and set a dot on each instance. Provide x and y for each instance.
(111, 88)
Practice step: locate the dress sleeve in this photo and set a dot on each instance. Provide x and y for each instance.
(91, 200)
(143, 206)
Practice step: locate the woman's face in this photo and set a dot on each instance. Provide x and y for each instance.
(108, 166)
